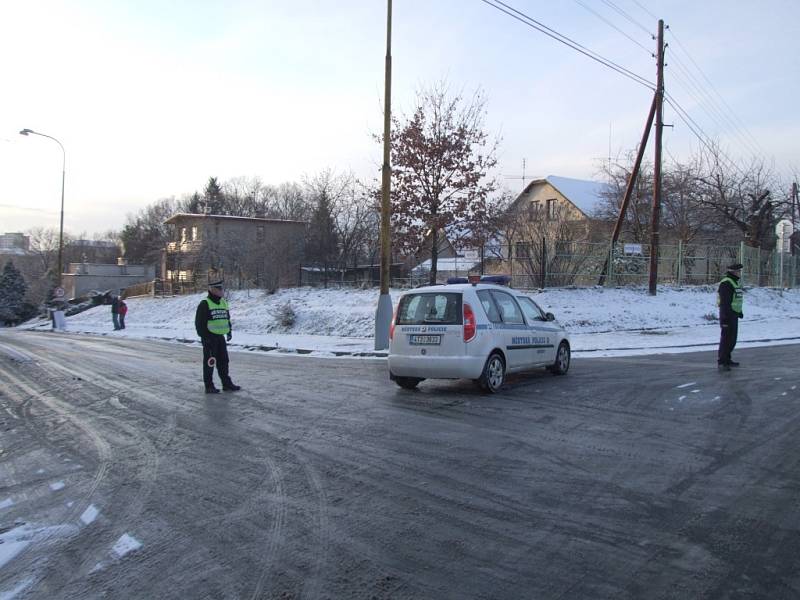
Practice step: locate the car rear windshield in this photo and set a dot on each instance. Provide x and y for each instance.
(438, 308)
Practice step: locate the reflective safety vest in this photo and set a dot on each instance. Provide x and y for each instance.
(218, 317)
(738, 295)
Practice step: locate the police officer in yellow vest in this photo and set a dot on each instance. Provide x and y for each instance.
(213, 324)
(729, 300)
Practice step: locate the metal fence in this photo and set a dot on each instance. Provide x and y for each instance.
(583, 264)
(578, 264)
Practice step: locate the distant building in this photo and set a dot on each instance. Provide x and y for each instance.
(14, 243)
(82, 277)
(244, 250)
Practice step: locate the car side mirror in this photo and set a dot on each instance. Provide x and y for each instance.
(550, 316)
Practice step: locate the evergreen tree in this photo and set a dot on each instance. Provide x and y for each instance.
(214, 198)
(12, 294)
(322, 245)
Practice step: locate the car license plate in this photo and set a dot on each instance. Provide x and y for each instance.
(425, 340)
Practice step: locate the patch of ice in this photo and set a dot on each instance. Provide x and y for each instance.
(125, 544)
(58, 485)
(40, 471)
(6, 503)
(14, 541)
(685, 385)
(90, 514)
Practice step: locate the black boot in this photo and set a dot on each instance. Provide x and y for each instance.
(724, 367)
(231, 387)
(733, 363)
(212, 390)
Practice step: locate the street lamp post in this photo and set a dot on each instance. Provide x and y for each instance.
(63, 176)
(383, 314)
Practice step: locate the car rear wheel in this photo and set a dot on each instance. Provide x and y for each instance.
(408, 383)
(494, 373)
(561, 366)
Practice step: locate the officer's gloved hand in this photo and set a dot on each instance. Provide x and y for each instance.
(229, 336)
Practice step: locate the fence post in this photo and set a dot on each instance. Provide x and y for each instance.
(680, 260)
(610, 265)
(511, 262)
(544, 263)
(741, 260)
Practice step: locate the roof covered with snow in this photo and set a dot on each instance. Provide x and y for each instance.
(584, 194)
(448, 264)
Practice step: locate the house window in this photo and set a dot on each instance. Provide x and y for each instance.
(533, 210)
(195, 236)
(551, 209)
(183, 235)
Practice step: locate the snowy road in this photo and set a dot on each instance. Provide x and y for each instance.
(634, 477)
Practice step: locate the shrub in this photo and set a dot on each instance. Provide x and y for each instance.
(285, 315)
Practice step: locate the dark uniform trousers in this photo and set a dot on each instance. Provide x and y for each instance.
(727, 340)
(216, 347)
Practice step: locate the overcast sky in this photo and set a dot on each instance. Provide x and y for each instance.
(150, 98)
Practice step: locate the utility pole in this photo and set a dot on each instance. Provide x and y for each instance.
(629, 188)
(654, 234)
(794, 208)
(383, 314)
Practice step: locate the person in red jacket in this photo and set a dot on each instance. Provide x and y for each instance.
(122, 310)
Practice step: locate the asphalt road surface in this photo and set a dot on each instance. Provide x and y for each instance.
(651, 477)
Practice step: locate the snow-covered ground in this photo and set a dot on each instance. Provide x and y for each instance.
(601, 322)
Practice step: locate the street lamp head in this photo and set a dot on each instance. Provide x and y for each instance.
(26, 131)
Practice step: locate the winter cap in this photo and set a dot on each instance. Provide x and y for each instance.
(735, 267)
(215, 284)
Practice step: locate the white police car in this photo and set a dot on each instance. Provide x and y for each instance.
(477, 330)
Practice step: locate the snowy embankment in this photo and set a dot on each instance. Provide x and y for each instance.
(601, 322)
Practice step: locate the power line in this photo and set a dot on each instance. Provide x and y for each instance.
(711, 85)
(534, 24)
(610, 24)
(645, 9)
(699, 133)
(627, 16)
(709, 107)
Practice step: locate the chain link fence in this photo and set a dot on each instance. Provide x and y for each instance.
(536, 266)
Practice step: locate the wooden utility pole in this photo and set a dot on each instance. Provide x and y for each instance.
(794, 209)
(383, 314)
(659, 100)
(629, 189)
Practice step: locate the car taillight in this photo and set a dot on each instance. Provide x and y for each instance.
(470, 324)
(391, 327)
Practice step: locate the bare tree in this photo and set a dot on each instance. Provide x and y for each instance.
(287, 201)
(743, 198)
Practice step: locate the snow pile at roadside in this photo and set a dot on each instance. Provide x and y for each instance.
(342, 320)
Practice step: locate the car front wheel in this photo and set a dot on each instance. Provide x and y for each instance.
(561, 366)
(494, 374)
